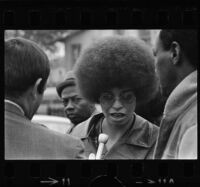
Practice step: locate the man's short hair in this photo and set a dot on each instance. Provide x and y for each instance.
(187, 39)
(117, 62)
(25, 62)
(69, 81)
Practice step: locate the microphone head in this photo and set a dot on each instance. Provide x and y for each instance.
(103, 138)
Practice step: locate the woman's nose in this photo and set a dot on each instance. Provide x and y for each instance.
(117, 104)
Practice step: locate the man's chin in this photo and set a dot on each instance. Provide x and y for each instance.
(75, 121)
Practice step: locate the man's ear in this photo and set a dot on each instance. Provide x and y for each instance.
(36, 87)
(175, 52)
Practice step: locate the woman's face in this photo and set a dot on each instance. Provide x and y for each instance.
(118, 105)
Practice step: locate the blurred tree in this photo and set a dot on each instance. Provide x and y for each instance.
(45, 38)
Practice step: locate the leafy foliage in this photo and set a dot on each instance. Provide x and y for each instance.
(45, 38)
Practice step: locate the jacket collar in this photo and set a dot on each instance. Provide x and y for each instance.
(13, 107)
(139, 134)
(182, 96)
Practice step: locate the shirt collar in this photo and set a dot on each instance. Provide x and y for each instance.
(15, 104)
(139, 134)
(94, 126)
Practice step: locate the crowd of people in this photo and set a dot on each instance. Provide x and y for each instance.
(148, 98)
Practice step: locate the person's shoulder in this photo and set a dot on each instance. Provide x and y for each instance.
(65, 141)
(188, 145)
(147, 129)
(81, 129)
(45, 130)
(143, 123)
(39, 125)
(69, 142)
(188, 118)
(51, 135)
(43, 142)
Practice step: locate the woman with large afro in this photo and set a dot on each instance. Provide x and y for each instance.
(117, 72)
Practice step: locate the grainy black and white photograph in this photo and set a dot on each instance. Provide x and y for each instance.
(100, 94)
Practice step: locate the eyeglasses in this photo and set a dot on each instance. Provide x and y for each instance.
(125, 98)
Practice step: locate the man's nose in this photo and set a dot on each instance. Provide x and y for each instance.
(70, 105)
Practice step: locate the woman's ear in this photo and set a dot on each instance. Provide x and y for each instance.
(175, 53)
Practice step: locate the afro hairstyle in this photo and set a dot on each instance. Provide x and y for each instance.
(117, 62)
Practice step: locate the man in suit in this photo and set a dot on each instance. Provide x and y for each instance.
(26, 72)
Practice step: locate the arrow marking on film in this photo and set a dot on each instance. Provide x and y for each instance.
(51, 182)
(150, 181)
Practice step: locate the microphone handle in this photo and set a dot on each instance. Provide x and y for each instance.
(99, 151)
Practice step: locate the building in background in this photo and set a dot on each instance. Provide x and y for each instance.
(70, 43)
(79, 39)
(57, 72)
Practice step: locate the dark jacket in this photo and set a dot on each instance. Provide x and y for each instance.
(137, 143)
(26, 140)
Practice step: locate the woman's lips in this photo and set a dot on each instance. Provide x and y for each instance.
(117, 116)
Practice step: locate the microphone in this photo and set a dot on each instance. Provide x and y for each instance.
(92, 156)
(103, 138)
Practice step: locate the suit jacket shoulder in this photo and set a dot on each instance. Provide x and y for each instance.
(26, 140)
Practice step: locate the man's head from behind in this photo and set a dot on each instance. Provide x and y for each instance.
(77, 109)
(176, 54)
(26, 73)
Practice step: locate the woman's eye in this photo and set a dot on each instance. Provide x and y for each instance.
(107, 97)
(128, 96)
